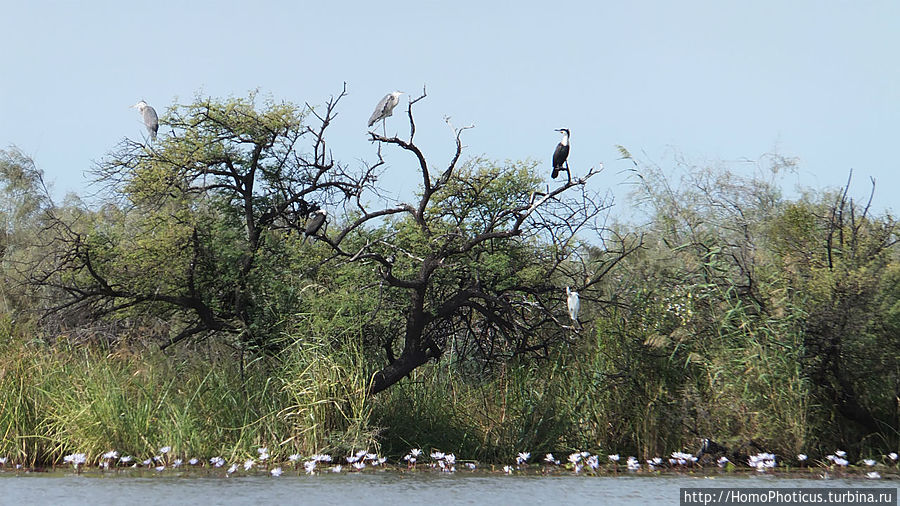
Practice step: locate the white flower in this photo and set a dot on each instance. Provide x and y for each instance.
(840, 453)
(310, 466)
(437, 455)
(415, 452)
(294, 457)
(276, 472)
(574, 457)
(126, 458)
(3, 460)
(232, 469)
(248, 464)
(507, 469)
(159, 468)
(371, 456)
(450, 458)
(470, 465)
(351, 459)
(336, 469)
(841, 462)
(614, 457)
(359, 465)
(802, 457)
(523, 457)
(148, 462)
(723, 461)
(217, 461)
(165, 449)
(324, 457)
(869, 462)
(193, 461)
(873, 475)
(893, 456)
(549, 458)
(263, 453)
(593, 462)
(111, 455)
(176, 463)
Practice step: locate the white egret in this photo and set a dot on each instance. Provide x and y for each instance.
(151, 120)
(574, 304)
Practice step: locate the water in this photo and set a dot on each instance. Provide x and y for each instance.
(392, 488)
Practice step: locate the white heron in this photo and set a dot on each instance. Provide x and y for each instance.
(560, 154)
(151, 120)
(385, 108)
(574, 304)
(314, 224)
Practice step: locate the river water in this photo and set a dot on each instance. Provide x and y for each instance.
(391, 488)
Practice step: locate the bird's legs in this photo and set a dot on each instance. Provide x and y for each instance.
(568, 174)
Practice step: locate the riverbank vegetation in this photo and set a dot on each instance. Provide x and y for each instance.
(187, 307)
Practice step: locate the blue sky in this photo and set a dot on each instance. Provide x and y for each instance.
(709, 80)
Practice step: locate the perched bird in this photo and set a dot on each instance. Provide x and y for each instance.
(385, 108)
(574, 304)
(151, 120)
(314, 224)
(561, 153)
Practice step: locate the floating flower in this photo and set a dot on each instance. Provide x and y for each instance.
(415, 452)
(294, 457)
(893, 456)
(593, 462)
(470, 465)
(3, 460)
(614, 458)
(276, 472)
(840, 453)
(148, 462)
(873, 475)
(263, 453)
(336, 469)
(232, 469)
(193, 461)
(359, 465)
(802, 457)
(165, 449)
(523, 457)
(159, 468)
(217, 461)
(841, 462)
(310, 466)
(869, 462)
(177, 463)
(762, 461)
(248, 464)
(549, 459)
(111, 455)
(723, 461)
(437, 455)
(125, 459)
(323, 457)
(507, 469)
(574, 457)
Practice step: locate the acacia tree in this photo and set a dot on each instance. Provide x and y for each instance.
(193, 222)
(479, 260)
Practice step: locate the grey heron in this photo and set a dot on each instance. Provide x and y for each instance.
(560, 154)
(151, 120)
(385, 108)
(574, 304)
(314, 224)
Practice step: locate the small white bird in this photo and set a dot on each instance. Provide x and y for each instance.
(385, 108)
(574, 305)
(314, 224)
(151, 120)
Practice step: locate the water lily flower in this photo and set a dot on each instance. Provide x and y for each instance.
(294, 457)
(193, 461)
(176, 463)
(351, 459)
(893, 456)
(263, 453)
(507, 469)
(126, 458)
(148, 462)
(802, 457)
(111, 455)
(874, 475)
(840, 453)
(310, 466)
(165, 449)
(381, 460)
(324, 457)
(336, 468)
(574, 457)
(523, 457)
(217, 461)
(159, 468)
(276, 472)
(359, 465)
(470, 465)
(3, 460)
(869, 462)
(614, 458)
(415, 452)
(232, 469)
(593, 462)
(437, 455)
(723, 461)
(841, 462)
(248, 464)
(549, 459)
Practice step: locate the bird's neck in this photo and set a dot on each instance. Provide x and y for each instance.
(565, 140)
